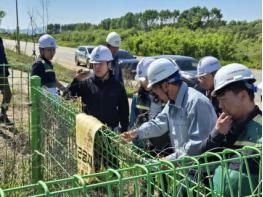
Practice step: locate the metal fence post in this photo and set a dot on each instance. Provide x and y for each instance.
(35, 130)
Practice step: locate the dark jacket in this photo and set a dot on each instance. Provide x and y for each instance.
(238, 133)
(245, 133)
(105, 100)
(44, 69)
(3, 70)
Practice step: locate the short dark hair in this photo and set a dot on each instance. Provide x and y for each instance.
(237, 87)
(213, 73)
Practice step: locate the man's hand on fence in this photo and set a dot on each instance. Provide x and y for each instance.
(129, 135)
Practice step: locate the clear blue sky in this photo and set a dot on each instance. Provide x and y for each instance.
(93, 11)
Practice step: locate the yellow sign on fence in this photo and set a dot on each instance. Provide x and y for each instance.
(86, 128)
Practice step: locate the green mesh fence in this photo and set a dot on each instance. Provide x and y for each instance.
(54, 152)
(54, 142)
(15, 154)
(122, 169)
(187, 176)
(53, 132)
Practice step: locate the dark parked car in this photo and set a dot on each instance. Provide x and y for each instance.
(128, 68)
(128, 63)
(123, 54)
(82, 55)
(188, 69)
(187, 65)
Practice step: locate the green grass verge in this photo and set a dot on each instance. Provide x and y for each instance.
(20, 62)
(62, 73)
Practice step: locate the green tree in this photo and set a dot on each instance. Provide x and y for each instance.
(128, 20)
(174, 16)
(192, 18)
(50, 28)
(164, 15)
(56, 28)
(105, 24)
(149, 18)
(198, 17)
(215, 18)
(2, 15)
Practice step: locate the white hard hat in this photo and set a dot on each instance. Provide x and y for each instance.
(114, 39)
(100, 54)
(142, 67)
(47, 41)
(207, 65)
(232, 73)
(161, 69)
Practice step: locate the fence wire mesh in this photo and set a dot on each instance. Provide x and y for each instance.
(15, 154)
(57, 129)
(56, 148)
(121, 169)
(187, 176)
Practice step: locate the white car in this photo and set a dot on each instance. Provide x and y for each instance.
(82, 55)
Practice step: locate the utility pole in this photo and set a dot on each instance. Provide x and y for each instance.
(43, 14)
(47, 4)
(33, 33)
(17, 31)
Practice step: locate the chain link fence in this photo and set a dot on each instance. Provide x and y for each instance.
(15, 154)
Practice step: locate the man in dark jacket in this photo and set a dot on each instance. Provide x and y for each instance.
(240, 124)
(4, 86)
(103, 96)
(43, 66)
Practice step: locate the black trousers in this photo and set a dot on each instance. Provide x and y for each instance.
(6, 91)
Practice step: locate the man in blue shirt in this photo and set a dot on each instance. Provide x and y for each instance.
(188, 114)
(113, 42)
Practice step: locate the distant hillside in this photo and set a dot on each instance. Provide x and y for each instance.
(193, 18)
(234, 42)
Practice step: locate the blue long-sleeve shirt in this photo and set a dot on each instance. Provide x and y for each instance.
(189, 120)
(116, 68)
